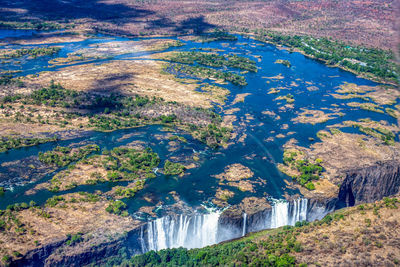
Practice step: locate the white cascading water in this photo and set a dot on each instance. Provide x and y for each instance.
(286, 213)
(200, 230)
(299, 212)
(141, 240)
(244, 223)
(188, 231)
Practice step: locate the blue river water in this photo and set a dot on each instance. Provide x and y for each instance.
(261, 149)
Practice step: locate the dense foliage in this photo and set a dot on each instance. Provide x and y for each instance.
(208, 73)
(212, 135)
(129, 192)
(62, 156)
(117, 207)
(214, 60)
(33, 52)
(7, 79)
(11, 142)
(129, 164)
(172, 168)
(368, 61)
(309, 171)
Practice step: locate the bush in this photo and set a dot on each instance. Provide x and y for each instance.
(6, 259)
(74, 239)
(310, 186)
(53, 201)
(116, 207)
(63, 156)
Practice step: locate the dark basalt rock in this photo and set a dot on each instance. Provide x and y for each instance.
(370, 184)
(37, 257)
(59, 253)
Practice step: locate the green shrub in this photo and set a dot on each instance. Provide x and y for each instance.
(116, 207)
(74, 239)
(171, 168)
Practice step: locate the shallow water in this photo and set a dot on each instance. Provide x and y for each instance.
(256, 152)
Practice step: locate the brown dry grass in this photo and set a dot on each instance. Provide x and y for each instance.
(379, 94)
(362, 238)
(344, 151)
(9, 124)
(141, 77)
(69, 218)
(236, 175)
(314, 116)
(81, 174)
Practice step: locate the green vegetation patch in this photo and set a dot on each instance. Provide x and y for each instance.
(33, 52)
(117, 207)
(12, 142)
(208, 73)
(387, 136)
(212, 135)
(371, 62)
(214, 60)
(366, 106)
(63, 156)
(383, 134)
(172, 168)
(7, 79)
(284, 62)
(74, 239)
(129, 192)
(178, 138)
(130, 164)
(34, 25)
(302, 170)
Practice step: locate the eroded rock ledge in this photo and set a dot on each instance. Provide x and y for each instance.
(370, 184)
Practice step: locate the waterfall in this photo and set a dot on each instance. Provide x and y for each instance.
(244, 223)
(288, 213)
(141, 239)
(200, 230)
(189, 231)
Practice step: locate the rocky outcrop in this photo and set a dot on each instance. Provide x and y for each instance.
(317, 208)
(370, 184)
(96, 249)
(37, 257)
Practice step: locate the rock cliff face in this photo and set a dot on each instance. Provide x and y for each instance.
(37, 257)
(96, 250)
(370, 184)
